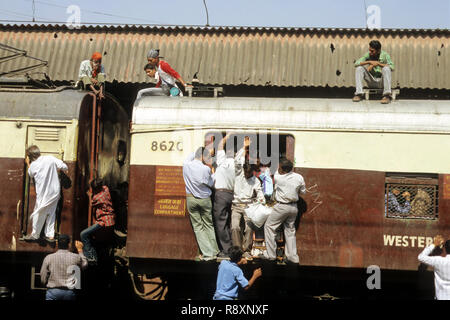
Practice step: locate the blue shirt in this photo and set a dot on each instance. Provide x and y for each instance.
(197, 177)
(394, 206)
(228, 279)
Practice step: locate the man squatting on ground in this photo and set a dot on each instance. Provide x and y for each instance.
(441, 266)
(247, 190)
(375, 68)
(199, 181)
(58, 270)
(288, 186)
(223, 196)
(44, 171)
(230, 276)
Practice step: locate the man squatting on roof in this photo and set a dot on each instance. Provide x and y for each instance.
(165, 75)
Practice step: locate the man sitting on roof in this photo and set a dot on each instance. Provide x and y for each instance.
(375, 67)
(165, 76)
(92, 74)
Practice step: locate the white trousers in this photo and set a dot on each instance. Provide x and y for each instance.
(39, 216)
(282, 214)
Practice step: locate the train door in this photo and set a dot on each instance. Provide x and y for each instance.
(50, 140)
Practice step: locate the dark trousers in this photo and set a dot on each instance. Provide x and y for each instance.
(86, 237)
(60, 294)
(222, 215)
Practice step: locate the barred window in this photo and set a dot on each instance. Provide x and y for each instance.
(411, 197)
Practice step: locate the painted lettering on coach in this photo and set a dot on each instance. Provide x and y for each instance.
(406, 241)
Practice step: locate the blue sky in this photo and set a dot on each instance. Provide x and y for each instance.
(416, 14)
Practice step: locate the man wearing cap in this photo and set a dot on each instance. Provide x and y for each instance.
(166, 77)
(92, 74)
(60, 271)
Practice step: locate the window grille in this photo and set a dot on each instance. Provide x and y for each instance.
(411, 197)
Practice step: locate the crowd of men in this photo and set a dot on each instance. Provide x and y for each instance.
(234, 183)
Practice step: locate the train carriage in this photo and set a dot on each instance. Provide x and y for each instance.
(352, 157)
(90, 137)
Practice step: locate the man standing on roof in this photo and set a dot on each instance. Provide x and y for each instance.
(375, 68)
(92, 74)
(165, 75)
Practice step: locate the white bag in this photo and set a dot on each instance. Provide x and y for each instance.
(258, 213)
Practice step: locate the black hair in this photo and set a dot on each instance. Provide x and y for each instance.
(149, 66)
(286, 165)
(235, 254)
(248, 168)
(97, 184)
(199, 153)
(33, 152)
(63, 241)
(375, 44)
(447, 246)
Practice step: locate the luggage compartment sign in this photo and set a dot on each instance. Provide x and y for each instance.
(170, 192)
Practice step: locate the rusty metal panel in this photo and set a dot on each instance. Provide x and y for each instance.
(284, 57)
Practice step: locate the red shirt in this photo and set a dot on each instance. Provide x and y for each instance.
(104, 212)
(164, 66)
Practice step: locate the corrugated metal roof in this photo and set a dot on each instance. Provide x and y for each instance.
(236, 55)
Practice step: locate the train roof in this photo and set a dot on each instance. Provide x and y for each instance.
(60, 104)
(291, 114)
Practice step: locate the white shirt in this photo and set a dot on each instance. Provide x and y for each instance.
(86, 69)
(441, 266)
(288, 186)
(225, 172)
(246, 191)
(44, 170)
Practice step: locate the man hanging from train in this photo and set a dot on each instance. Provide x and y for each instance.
(288, 186)
(223, 196)
(92, 75)
(165, 76)
(247, 190)
(104, 217)
(44, 171)
(375, 68)
(199, 181)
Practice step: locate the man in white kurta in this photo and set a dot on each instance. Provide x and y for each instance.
(44, 171)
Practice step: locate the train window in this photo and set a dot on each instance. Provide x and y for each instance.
(266, 147)
(411, 196)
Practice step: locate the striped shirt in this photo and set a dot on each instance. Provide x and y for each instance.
(59, 269)
(104, 212)
(441, 266)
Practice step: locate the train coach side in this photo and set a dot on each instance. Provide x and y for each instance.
(351, 155)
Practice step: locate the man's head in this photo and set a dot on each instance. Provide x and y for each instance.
(96, 59)
(374, 48)
(150, 70)
(235, 254)
(248, 170)
(447, 246)
(33, 153)
(63, 241)
(285, 165)
(153, 56)
(97, 185)
(199, 153)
